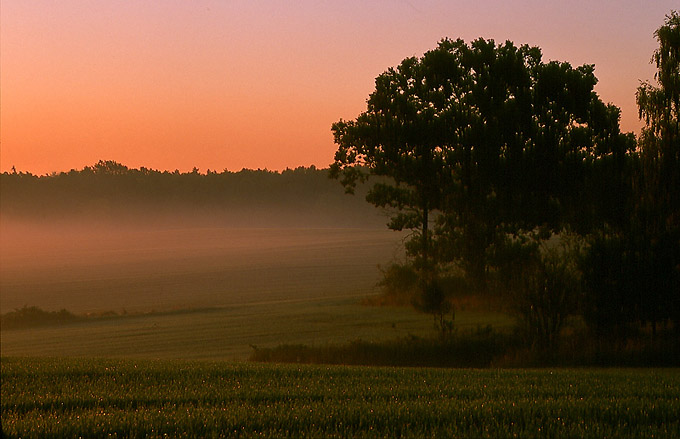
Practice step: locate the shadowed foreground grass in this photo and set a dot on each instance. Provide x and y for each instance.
(113, 398)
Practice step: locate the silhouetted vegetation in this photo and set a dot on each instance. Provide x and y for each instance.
(482, 348)
(111, 191)
(32, 316)
(633, 267)
(516, 181)
(475, 349)
(484, 141)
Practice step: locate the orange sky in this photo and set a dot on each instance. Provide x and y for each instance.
(230, 84)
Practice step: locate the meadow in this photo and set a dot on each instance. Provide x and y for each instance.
(91, 268)
(229, 333)
(141, 398)
(167, 318)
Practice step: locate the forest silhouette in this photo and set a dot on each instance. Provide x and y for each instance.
(110, 191)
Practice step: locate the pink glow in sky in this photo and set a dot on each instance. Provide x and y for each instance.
(221, 84)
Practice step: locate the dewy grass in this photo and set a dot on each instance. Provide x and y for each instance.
(109, 398)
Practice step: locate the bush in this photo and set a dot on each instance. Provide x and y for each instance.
(33, 316)
(399, 284)
(545, 287)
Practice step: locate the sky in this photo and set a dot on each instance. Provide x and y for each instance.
(230, 84)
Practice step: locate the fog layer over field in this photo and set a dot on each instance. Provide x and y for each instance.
(109, 238)
(95, 267)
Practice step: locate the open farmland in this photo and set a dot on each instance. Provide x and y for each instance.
(230, 333)
(201, 293)
(103, 398)
(88, 269)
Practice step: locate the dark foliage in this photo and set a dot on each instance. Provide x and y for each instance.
(481, 139)
(633, 268)
(32, 316)
(476, 349)
(110, 190)
(490, 154)
(484, 348)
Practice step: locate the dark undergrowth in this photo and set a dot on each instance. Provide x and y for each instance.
(584, 350)
(32, 316)
(35, 317)
(483, 348)
(476, 349)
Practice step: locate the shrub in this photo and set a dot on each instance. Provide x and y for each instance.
(545, 288)
(32, 316)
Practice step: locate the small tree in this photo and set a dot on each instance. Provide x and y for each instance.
(433, 300)
(547, 288)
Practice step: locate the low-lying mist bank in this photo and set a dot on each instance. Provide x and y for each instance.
(120, 268)
(112, 238)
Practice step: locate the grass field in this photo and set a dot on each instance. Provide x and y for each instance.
(191, 301)
(230, 332)
(106, 398)
(90, 269)
(214, 292)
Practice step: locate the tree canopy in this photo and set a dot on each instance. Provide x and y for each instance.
(109, 190)
(650, 246)
(659, 107)
(487, 137)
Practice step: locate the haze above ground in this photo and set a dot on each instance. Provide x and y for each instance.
(227, 85)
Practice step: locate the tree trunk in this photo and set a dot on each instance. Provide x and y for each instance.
(426, 240)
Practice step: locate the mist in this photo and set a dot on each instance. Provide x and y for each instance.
(95, 254)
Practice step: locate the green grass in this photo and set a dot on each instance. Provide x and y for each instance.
(139, 398)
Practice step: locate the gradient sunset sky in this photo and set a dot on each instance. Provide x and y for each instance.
(219, 84)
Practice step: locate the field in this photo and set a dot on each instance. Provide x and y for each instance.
(228, 333)
(113, 398)
(174, 312)
(130, 268)
(201, 293)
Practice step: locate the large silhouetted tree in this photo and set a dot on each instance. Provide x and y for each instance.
(486, 136)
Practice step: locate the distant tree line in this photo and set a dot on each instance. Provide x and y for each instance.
(109, 189)
(514, 178)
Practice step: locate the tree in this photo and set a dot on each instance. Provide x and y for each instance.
(485, 140)
(657, 216)
(401, 137)
(526, 156)
(659, 107)
(633, 270)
